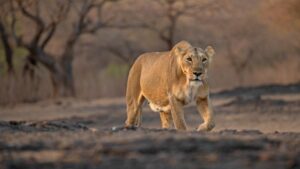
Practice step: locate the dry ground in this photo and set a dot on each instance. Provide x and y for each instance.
(256, 128)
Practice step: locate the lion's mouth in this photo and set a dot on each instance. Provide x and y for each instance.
(196, 80)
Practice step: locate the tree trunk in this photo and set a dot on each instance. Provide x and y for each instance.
(7, 49)
(68, 81)
(62, 80)
(60, 72)
(169, 43)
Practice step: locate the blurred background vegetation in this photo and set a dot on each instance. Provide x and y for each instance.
(84, 48)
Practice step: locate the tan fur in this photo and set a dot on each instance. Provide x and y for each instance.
(169, 80)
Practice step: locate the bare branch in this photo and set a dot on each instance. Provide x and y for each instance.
(49, 35)
(36, 19)
(29, 15)
(63, 10)
(86, 23)
(19, 40)
(117, 53)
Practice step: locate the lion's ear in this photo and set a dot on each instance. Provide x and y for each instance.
(181, 48)
(210, 52)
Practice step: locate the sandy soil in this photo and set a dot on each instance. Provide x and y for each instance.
(256, 128)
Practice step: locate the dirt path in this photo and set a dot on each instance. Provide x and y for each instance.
(253, 131)
(268, 114)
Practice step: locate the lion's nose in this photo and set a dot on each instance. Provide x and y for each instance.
(197, 73)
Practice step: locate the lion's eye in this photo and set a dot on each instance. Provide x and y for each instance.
(204, 60)
(189, 59)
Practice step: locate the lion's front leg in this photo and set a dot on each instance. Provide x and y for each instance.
(205, 110)
(177, 113)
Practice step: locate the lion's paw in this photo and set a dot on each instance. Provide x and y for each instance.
(206, 126)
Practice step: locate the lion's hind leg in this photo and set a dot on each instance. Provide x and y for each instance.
(138, 118)
(134, 97)
(134, 110)
(165, 118)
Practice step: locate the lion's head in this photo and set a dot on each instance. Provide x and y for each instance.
(193, 62)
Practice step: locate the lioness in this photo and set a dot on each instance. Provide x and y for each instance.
(170, 80)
